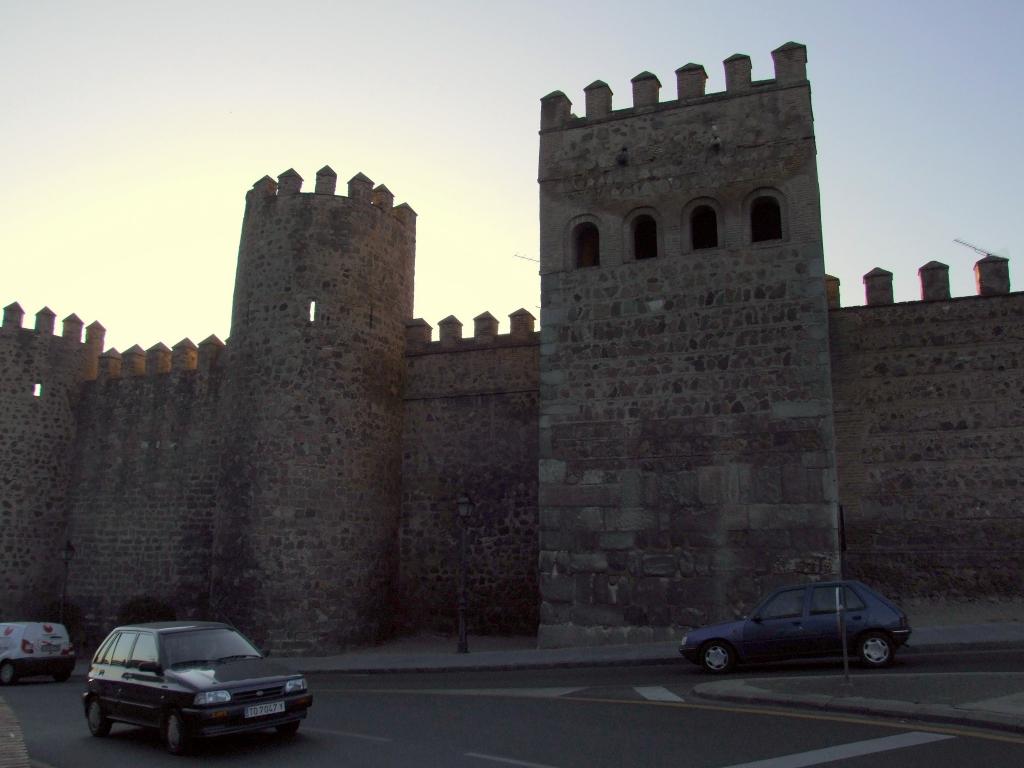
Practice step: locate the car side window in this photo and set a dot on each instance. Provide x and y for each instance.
(823, 600)
(853, 601)
(123, 648)
(784, 605)
(145, 650)
(103, 654)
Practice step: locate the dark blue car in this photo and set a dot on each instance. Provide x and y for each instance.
(801, 622)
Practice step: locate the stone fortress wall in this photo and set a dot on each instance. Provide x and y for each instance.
(679, 435)
(930, 435)
(471, 427)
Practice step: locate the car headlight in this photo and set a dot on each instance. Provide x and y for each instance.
(212, 697)
(294, 686)
(682, 643)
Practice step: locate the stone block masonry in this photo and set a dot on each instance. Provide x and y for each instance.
(686, 437)
(930, 436)
(41, 376)
(471, 428)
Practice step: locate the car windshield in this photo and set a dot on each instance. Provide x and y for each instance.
(207, 646)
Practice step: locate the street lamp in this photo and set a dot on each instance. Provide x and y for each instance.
(465, 508)
(67, 555)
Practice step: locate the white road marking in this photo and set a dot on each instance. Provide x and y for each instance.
(531, 693)
(507, 760)
(349, 734)
(846, 751)
(657, 693)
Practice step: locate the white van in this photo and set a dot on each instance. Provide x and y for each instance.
(35, 648)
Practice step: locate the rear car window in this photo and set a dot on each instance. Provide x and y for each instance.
(145, 649)
(823, 600)
(122, 648)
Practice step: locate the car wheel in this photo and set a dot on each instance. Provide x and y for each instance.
(289, 729)
(7, 674)
(176, 738)
(717, 657)
(62, 677)
(99, 725)
(875, 649)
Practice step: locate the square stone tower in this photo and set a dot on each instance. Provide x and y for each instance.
(686, 437)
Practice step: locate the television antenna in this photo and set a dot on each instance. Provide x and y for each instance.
(982, 251)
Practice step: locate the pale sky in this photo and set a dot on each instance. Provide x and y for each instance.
(131, 130)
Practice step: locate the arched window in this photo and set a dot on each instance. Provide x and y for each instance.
(704, 227)
(587, 245)
(765, 219)
(645, 237)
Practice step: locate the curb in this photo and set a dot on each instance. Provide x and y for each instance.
(742, 692)
(984, 645)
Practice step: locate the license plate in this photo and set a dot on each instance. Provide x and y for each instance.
(259, 710)
(49, 648)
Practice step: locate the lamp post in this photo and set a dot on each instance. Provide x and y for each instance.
(465, 509)
(67, 555)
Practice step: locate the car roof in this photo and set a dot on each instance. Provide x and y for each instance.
(175, 626)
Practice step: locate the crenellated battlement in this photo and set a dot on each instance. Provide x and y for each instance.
(361, 191)
(991, 278)
(790, 60)
(419, 333)
(71, 326)
(158, 360)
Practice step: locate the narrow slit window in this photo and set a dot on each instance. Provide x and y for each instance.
(645, 237)
(704, 228)
(37, 390)
(587, 242)
(765, 220)
(312, 311)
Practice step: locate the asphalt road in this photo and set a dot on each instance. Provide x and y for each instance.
(563, 718)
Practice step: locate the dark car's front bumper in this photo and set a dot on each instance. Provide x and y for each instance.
(690, 654)
(900, 636)
(230, 718)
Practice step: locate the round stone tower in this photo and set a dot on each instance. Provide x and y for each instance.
(305, 544)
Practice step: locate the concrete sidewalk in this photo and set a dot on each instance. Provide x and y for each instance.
(426, 653)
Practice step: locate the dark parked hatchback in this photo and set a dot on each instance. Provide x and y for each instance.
(802, 621)
(190, 680)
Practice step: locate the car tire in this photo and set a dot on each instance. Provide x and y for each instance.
(8, 674)
(99, 724)
(175, 735)
(717, 657)
(62, 677)
(288, 729)
(875, 649)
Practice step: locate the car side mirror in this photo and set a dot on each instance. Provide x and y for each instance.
(265, 652)
(151, 667)
(756, 619)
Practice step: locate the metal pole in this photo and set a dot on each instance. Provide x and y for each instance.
(64, 590)
(841, 619)
(463, 642)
